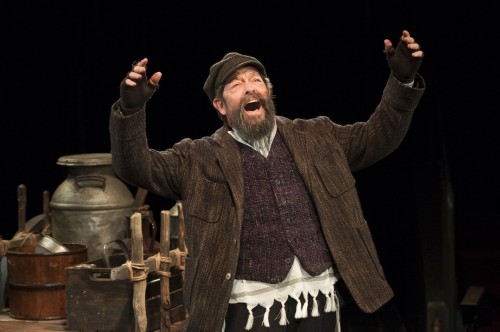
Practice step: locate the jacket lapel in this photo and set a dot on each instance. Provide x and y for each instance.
(228, 155)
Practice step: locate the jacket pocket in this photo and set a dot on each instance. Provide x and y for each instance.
(208, 199)
(335, 174)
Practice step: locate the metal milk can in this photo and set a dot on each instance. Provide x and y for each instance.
(92, 205)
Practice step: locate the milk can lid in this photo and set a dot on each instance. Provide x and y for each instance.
(85, 159)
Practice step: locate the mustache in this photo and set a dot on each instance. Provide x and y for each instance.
(252, 96)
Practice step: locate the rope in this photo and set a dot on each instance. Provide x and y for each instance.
(162, 259)
(136, 266)
(180, 258)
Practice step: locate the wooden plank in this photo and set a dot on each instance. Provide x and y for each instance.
(139, 275)
(122, 272)
(165, 272)
(8, 324)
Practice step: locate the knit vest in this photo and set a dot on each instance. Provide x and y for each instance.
(279, 219)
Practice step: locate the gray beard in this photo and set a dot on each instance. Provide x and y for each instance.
(252, 133)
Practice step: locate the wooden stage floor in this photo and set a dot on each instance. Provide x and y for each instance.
(9, 324)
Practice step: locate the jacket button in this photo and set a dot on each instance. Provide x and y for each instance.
(288, 260)
(228, 276)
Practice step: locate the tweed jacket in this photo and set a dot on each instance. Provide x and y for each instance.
(206, 175)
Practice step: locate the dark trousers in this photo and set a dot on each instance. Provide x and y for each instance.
(385, 319)
(237, 317)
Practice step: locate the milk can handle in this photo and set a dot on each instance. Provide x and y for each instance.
(152, 222)
(106, 251)
(148, 217)
(84, 181)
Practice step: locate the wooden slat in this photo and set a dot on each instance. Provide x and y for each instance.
(165, 272)
(140, 282)
(122, 272)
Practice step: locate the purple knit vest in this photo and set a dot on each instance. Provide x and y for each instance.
(279, 221)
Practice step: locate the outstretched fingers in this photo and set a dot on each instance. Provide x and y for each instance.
(137, 72)
(412, 44)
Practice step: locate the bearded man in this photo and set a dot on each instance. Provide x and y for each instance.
(276, 236)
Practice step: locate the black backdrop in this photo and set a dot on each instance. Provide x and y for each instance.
(62, 63)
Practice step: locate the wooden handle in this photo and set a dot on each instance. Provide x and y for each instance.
(165, 272)
(182, 228)
(46, 209)
(140, 282)
(140, 198)
(21, 211)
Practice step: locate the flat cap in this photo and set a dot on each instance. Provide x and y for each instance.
(220, 71)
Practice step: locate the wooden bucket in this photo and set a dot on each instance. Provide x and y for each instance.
(36, 281)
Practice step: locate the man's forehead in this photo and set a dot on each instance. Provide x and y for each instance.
(244, 71)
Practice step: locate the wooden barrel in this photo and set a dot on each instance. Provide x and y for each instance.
(36, 281)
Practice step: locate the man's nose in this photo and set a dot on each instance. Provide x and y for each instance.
(249, 87)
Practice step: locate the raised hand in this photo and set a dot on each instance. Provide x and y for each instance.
(136, 89)
(404, 60)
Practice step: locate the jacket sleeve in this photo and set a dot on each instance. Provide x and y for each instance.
(137, 164)
(365, 143)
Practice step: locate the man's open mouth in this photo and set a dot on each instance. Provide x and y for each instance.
(252, 106)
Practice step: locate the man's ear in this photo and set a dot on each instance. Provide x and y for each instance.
(219, 106)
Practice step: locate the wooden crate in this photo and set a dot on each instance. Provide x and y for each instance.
(97, 303)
